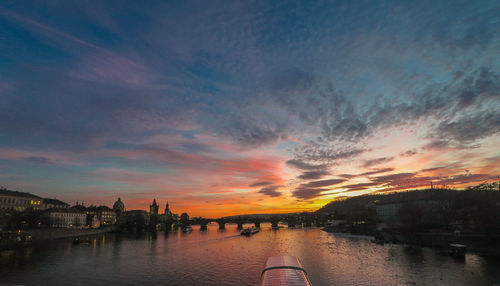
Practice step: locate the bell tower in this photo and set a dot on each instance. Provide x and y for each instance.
(153, 209)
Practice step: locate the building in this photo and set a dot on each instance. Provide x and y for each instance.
(387, 211)
(135, 218)
(97, 216)
(106, 215)
(168, 216)
(168, 213)
(90, 221)
(119, 206)
(54, 203)
(119, 209)
(93, 221)
(153, 208)
(65, 217)
(154, 219)
(18, 201)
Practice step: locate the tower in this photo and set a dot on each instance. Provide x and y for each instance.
(153, 209)
(153, 215)
(167, 210)
(118, 208)
(169, 219)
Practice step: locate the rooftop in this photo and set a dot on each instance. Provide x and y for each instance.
(17, 194)
(54, 202)
(64, 210)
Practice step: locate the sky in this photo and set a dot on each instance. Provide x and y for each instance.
(240, 107)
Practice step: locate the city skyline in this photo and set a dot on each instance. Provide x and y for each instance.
(247, 107)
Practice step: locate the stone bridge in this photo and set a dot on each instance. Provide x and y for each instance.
(292, 220)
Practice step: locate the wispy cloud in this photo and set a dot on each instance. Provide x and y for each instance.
(260, 184)
(313, 175)
(271, 191)
(211, 100)
(377, 161)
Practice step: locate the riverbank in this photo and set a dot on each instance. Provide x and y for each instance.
(58, 233)
(44, 234)
(486, 245)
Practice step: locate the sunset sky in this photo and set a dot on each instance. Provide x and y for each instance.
(236, 107)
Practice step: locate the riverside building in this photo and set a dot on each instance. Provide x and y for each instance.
(18, 201)
(65, 217)
(54, 203)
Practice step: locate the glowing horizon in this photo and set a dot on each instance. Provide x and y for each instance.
(238, 108)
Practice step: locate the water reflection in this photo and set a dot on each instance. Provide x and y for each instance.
(223, 257)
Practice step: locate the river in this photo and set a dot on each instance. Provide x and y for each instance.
(215, 257)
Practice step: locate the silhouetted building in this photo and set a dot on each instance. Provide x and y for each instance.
(153, 214)
(135, 218)
(167, 211)
(168, 217)
(118, 206)
(153, 209)
(387, 210)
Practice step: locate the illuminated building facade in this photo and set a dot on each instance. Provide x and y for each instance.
(18, 201)
(65, 217)
(106, 216)
(54, 203)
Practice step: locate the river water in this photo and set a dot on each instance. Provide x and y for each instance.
(216, 257)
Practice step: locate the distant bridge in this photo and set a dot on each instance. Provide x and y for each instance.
(292, 220)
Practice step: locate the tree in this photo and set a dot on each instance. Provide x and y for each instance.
(184, 219)
(410, 216)
(31, 218)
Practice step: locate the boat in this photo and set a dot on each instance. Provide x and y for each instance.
(250, 230)
(378, 241)
(378, 238)
(284, 271)
(78, 240)
(187, 228)
(11, 239)
(457, 250)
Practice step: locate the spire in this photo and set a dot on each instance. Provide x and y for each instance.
(167, 210)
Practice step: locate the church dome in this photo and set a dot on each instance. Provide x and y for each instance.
(118, 205)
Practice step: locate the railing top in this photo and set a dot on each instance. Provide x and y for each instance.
(283, 261)
(284, 271)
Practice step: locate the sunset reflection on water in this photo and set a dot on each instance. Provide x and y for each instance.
(217, 257)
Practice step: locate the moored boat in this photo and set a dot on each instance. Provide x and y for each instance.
(187, 228)
(79, 240)
(457, 250)
(11, 239)
(250, 230)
